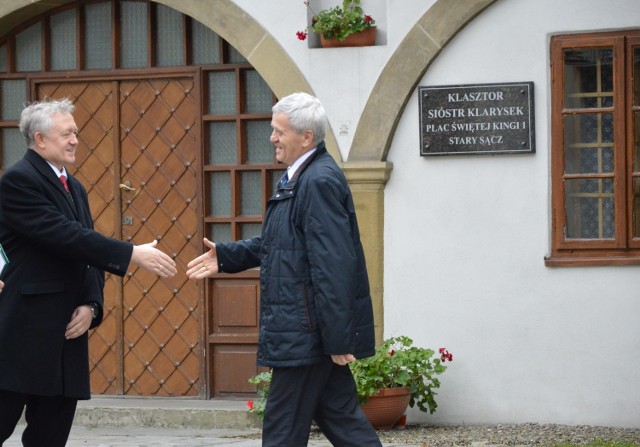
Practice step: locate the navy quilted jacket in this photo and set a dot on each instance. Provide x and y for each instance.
(314, 287)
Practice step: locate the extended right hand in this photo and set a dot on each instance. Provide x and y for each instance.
(150, 258)
(204, 265)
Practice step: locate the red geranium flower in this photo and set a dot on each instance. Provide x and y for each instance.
(445, 355)
(250, 404)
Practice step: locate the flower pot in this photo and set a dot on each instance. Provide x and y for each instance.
(386, 407)
(362, 39)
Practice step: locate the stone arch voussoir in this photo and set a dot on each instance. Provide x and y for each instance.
(404, 70)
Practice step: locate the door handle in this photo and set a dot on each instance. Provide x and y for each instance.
(126, 186)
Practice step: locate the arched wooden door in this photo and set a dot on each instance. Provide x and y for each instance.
(138, 160)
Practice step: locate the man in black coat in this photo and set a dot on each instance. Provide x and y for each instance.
(53, 293)
(316, 315)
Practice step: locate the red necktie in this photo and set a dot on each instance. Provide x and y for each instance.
(63, 180)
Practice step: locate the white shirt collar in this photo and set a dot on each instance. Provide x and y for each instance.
(58, 172)
(296, 164)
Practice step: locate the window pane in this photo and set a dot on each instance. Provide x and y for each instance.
(13, 146)
(63, 41)
(251, 193)
(220, 233)
(588, 78)
(248, 231)
(235, 57)
(29, 48)
(14, 95)
(170, 31)
(3, 59)
(636, 76)
(97, 35)
(259, 148)
(133, 39)
(222, 93)
(257, 93)
(223, 142)
(636, 207)
(636, 141)
(220, 184)
(590, 209)
(206, 44)
(636, 168)
(588, 143)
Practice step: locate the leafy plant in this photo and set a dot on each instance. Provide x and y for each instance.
(397, 363)
(262, 382)
(338, 22)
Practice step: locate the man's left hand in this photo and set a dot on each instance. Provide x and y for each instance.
(80, 322)
(343, 359)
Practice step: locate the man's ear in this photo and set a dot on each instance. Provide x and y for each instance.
(308, 137)
(38, 137)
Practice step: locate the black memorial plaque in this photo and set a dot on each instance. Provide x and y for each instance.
(477, 119)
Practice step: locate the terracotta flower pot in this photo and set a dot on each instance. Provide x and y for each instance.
(386, 407)
(362, 39)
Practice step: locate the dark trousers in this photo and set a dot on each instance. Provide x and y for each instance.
(326, 393)
(48, 419)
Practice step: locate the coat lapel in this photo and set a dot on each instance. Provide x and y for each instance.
(43, 168)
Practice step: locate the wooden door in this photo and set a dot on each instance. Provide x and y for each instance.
(139, 162)
(233, 333)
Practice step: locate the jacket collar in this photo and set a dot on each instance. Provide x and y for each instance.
(320, 149)
(42, 166)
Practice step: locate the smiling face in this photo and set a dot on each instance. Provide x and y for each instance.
(59, 145)
(289, 143)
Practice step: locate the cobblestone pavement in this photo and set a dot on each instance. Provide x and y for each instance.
(162, 437)
(517, 435)
(148, 437)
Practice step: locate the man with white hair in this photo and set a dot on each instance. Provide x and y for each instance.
(316, 315)
(55, 277)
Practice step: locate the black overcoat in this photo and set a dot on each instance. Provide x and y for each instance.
(314, 287)
(56, 263)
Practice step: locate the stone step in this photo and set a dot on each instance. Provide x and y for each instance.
(165, 412)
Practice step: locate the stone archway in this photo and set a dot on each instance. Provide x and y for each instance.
(385, 105)
(366, 168)
(398, 80)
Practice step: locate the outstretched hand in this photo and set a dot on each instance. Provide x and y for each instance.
(150, 258)
(204, 265)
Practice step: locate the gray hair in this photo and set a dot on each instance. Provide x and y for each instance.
(305, 112)
(36, 117)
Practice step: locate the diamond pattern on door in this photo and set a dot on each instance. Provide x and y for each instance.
(158, 160)
(95, 159)
(149, 341)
